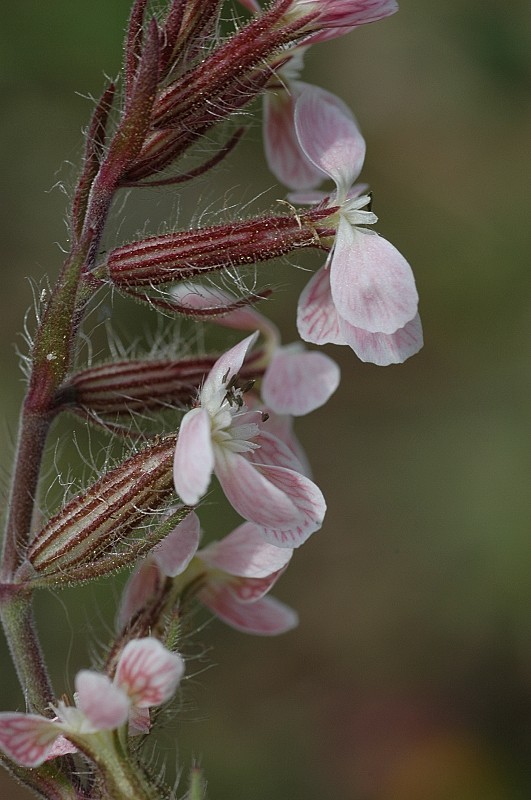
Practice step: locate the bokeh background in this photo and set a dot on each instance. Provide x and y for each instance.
(409, 677)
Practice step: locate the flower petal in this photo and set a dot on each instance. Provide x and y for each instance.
(372, 284)
(298, 381)
(178, 548)
(285, 157)
(266, 617)
(329, 135)
(245, 553)
(105, 705)
(27, 738)
(317, 318)
(382, 348)
(143, 583)
(249, 590)
(148, 672)
(274, 451)
(194, 458)
(227, 365)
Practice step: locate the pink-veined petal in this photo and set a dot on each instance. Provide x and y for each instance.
(285, 157)
(338, 17)
(27, 738)
(139, 721)
(249, 590)
(281, 426)
(245, 553)
(246, 318)
(372, 284)
(227, 365)
(178, 548)
(266, 617)
(61, 747)
(143, 583)
(308, 498)
(298, 381)
(194, 458)
(148, 672)
(317, 319)
(105, 705)
(274, 451)
(329, 135)
(252, 495)
(384, 349)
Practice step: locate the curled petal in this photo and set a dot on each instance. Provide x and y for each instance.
(266, 617)
(148, 673)
(143, 584)
(139, 721)
(249, 590)
(27, 738)
(285, 157)
(228, 365)
(253, 495)
(274, 451)
(317, 318)
(105, 705)
(384, 349)
(372, 284)
(194, 458)
(329, 135)
(245, 553)
(61, 747)
(298, 381)
(178, 548)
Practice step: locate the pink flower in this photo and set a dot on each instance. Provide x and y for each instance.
(333, 18)
(146, 675)
(260, 476)
(365, 295)
(233, 576)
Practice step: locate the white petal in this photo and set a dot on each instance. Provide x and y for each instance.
(177, 549)
(328, 134)
(297, 382)
(105, 705)
(372, 284)
(194, 458)
(382, 348)
(228, 365)
(285, 157)
(245, 553)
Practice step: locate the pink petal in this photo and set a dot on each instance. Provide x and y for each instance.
(317, 319)
(274, 451)
(372, 284)
(194, 458)
(249, 590)
(342, 16)
(27, 738)
(309, 501)
(139, 721)
(61, 747)
(266, 617)
(148, 672)
(204, 297)
(105, 705)
(178, 548)
(384, 349)
(285, 157)
(252, 5)
(329, 135)
(252, 495)
(245, 553)
(143, 583)
(298, 381)
(228, 365)
(281, 426)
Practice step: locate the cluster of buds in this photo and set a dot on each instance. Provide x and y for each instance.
(236, 408)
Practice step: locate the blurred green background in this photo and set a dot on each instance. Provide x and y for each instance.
(409, 677)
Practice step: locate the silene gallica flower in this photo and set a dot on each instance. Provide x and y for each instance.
(261, 477)
(147, 674)
(231, 577)
(365, 295)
